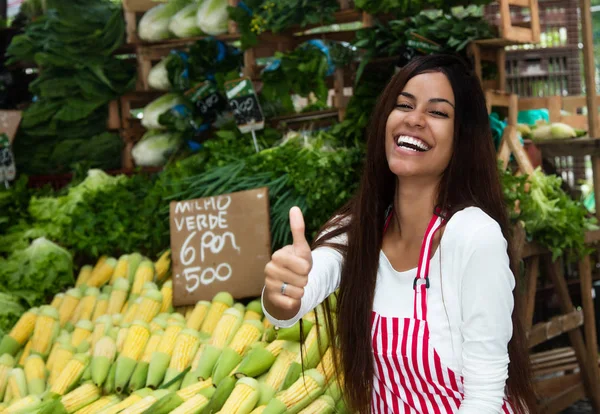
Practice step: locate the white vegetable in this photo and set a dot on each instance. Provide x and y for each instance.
(154, 25)
(155, 148)
(157, 107)
(158, 78)
(212, 17)
(560, 130)
(183, 23)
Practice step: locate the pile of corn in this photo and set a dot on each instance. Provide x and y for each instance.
(114, 344)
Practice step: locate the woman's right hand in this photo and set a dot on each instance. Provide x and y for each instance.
(289, 267)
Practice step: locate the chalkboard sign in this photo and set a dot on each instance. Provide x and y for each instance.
(209, 102)
(219, 244)
(7, 161)
(244, 104)
(9, 123)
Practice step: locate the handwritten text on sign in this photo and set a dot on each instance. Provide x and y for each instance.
(214, 245)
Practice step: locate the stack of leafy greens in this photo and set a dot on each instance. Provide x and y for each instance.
(73, 45)
(257, 16)
(408, 7)
(550, 217)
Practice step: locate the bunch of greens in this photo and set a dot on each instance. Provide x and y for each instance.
(36, 272)
(301, 71)
(73, 44)
(550, 217)
(14, 202)
(408, 7)
(257, 16)
(10, 311)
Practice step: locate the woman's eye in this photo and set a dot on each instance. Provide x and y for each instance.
(403, 106)
(440, 113)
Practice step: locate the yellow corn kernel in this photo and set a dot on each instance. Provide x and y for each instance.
(251, 315)
(198, 314)
(16, 388)
(298, 391)
(193, 389)
(143, 274)
(71, 373)
(226, 328)
(213, 316)
(80, 397)
(132, 311)
(35, 368)
(185, 348)
(121, 336)
(259, 410)
(149, 306)
(244, 337)
(275, 347)
(85, 307)
(52, 355)
(101, 328)
(167, 296)
(45, 330)
(137, 338)
(267, 323)
(57, 300)
(103, 273)
(118, 296)
(163, 266)
(99, 405)
(141, 406)
(158, 324)
(63, 355)
(197, 357)
(319, 405)
(121, 269)
(240, 394)
(23, 405)
(151, 346)
(278, 371)
(24, 327)
(167, 342)
(68, 306)
(84, 274)
(119, 407)
(25, 354)
(191, 406)
(101, 307)
(326, 366)
(83, 330)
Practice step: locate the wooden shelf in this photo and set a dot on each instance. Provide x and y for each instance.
(571, 146)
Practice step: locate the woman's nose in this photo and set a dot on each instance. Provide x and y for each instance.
(415, 119)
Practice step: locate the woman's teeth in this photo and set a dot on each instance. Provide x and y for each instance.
(411, 143)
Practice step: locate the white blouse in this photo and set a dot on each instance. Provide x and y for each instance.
(469, 301)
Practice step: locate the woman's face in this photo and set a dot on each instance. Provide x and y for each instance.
(420, 129)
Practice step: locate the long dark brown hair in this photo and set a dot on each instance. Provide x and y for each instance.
(471, 179)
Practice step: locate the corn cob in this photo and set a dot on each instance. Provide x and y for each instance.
(334, 390)
(240, 306)
(118, 296)
(57, 300)
(158, 324)
(106, 290)
(68, 305)
(276, 376)
(186, 311)
(220, 303)
(133, 263)
(314, 346)
(137, 338)
(80, 397)
(35, 374)
(101, 306)
(259, 409)
(127, 402)
(163, 266)
(190, 377)
(25, 353)
(259, 359)
(104, 355)
(143, 274)
(147, 287)
(121, 336)
(16, 388)
(100, 404)
(254, 311)
(244, 397)
(70, 375)
(194, 405)
(159, 362)
(120, 269)
(7, 362)
(198, 315)
(138, 378)
(27, 404)
(322, 405)
(101, 328)
(267, 323)
(84, 275)
(45, 331)
(175, 318)
(249, 333)
(85, 307)
(221, 395)
(149, 306)
(63, 338)
(185, 348)
(304, 391)
(293, 332)
(109, 383)
(117, 319)
(145, 403)
(132, 310)
(326, 366)
(83, 331)
(167, 296)
(20, 333)
(63, 355)
(103, 273)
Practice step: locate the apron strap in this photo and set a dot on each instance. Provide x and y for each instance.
(421, 282)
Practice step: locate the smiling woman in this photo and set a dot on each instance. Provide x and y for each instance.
(425, 316)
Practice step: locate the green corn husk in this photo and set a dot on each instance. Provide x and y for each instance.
(138, 378)
(228, 360)
(220, 396)
(256, 362)
(109, 383)
(293, 333)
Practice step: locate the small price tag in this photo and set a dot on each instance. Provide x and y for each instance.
(244, 104)
(8, 170)
(207, 99)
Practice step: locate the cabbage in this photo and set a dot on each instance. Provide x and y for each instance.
(183, 24)
(158, 78)
(154, 24)
(212, 17)
(157, 107)
(155, 148)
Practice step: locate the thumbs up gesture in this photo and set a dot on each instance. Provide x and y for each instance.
(286, 274)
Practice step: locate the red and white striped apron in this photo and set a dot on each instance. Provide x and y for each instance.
(409, 375)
